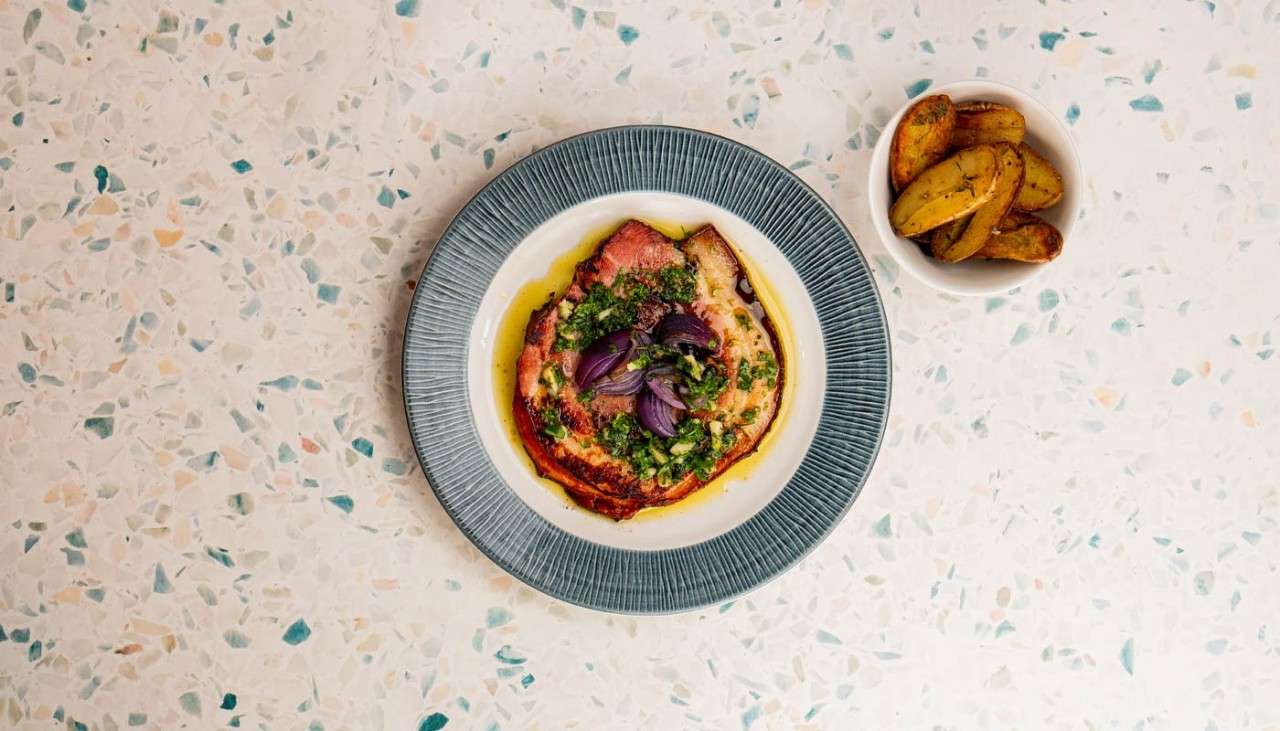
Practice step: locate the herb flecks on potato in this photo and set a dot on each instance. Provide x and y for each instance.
(1042, 186)
(921, 138)
(983, 123)
(952, 248)
(955, 187)
(1022, 237)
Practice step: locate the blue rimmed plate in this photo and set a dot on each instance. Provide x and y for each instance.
(746, 527)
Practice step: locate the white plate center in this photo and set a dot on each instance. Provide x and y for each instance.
(734, 497)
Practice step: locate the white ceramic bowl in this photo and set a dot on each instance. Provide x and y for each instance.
(1045, 133)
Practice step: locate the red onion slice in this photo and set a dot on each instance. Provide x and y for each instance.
(680, 329)
(620, 382)
(601, 357)
(662, 382)
(656, 415)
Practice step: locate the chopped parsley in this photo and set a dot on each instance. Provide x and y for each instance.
(745, 379)
(766, 368)
(551, 424)
(677, 284)
(749, 416)
(553, 378)
(696, 448)
(702, 390)
(601, 311)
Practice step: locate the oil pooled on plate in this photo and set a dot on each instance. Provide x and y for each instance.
(509, 341)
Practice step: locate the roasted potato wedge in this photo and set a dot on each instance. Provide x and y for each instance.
(955, 187)
(1023, 237)
(1042, 186)
(946, 235)
(983, 123)
(921, 138)
(949, 247)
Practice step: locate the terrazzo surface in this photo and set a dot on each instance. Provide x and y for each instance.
(211, 219)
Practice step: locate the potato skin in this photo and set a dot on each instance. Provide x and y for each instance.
(954, 187)
(1023, 237)
(922, 138)
(984, 123)
(949, 247)
(1042, 186)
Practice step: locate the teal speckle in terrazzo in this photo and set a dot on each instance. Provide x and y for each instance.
(103, 427)
(883, 527)
(496, 617)
(1244, 101)
(284, 383)
(241, 502)
(1126, 656)
(204, 462)
(228, 702)
(407, 8)
(241, 166)
(76, 538)
(1203, 582)
(328, 293)
(311, 269)
(917, 88)
(363, 446)
(27, 372)
(343, 502)
(386, 198)
(1121, 326)
(843, 51)
(190, 702)
(1021, 334)
(627, 34)
(137, 719)
(1180, 376)
(1150, 70)
(1048, 300)
(161, 583)
(235, 639)
(1146, 103)
(1050, 39)
(297, 633)
(434, 722)
(506, 655)
(750, 110)
(220, 555)
(100, 173)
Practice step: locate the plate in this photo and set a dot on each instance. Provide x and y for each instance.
(746, 527)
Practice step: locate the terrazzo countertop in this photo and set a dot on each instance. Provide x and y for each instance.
(211, 220)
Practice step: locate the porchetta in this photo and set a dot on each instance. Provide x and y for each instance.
(656, 370)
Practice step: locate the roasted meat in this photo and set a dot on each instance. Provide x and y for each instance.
(654, 372)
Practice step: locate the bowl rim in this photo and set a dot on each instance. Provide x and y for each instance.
(877, 172)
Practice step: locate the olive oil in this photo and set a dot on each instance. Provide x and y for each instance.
(509, 341)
